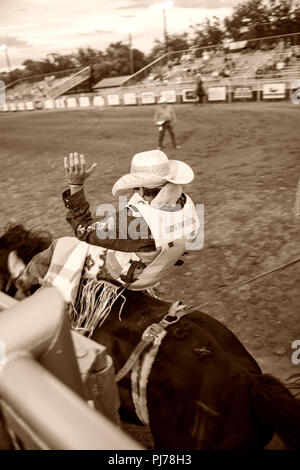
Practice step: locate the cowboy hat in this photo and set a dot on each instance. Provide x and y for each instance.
(153, 169)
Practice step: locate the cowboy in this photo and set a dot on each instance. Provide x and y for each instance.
(165, 119)
(199, 91)
(166, 217)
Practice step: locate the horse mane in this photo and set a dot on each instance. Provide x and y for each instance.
(27, 243)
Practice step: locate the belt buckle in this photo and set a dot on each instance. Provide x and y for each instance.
(152, 332)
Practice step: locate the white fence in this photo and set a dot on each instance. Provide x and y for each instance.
(141, 96)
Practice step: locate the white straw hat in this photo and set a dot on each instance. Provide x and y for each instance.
(153, 169)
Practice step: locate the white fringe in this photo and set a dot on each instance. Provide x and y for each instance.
(96, 301)
(154, 291)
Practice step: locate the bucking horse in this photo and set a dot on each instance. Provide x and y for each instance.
(197, 388)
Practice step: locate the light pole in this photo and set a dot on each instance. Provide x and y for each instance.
(163, 6)
(5, 49)
(129, 29)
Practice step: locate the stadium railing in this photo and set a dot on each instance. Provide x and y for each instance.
(70, 82)
(177, 80)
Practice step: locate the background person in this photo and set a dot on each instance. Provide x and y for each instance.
(165, 119)
(199, 90)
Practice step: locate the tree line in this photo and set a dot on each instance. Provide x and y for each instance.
(249, 20)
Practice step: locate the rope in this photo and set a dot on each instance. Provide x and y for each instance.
(248, 281)
(139, 378)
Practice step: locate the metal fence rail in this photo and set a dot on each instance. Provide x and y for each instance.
(43, 402)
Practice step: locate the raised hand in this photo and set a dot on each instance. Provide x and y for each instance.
(75, 170)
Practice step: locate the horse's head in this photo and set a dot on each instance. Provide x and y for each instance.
(17, 247)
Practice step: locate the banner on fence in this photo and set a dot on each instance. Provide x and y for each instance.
(98, 101)
(273, 91)
(2, 93)
(170, 95)
(148, 97)
(49, 104)
(29, 105)
(129, 98)
(59, 103)
(216, 93)
(242, 93)
(71, 103)
(113, 100)
(295, 84)
(188, 96)
(84, 101)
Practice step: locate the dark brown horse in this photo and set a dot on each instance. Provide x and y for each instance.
(204, 391)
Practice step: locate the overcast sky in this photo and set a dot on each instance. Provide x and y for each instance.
(34, 28)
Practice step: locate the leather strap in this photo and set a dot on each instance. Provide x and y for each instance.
(150, 335)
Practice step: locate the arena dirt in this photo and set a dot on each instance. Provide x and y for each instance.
(247, 166)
